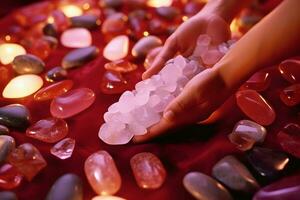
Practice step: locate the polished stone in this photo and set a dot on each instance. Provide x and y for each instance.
(28, 64)
(144, 45)
(287, 188)
(66, 187)
(115, 24)
(50, 30)
(7, 195)
(76, 38)
(15, 116)
(260, 81)
(117, 48)
(85, 21)
(22, 86)
(53, 90)
(168, 12)
(48, 130)
(79, 57)
(211, 57)
(39, 47)
(59, 19)
(138, 22)
(9, 51)
(148, 170)
(233, 174)
(290, 70)
(72, 102)
(289, 139)
(4, 130)
(255, 107)
(267, 162)
(157, 27)
(250, 129)
(102, 173)
(151, 57)
(203, 187)
(122, 66)
(28, 160)
(63, 149)
(71, 10)
(290, 96)
(242, 142)
(9, 177)
(56, 74)
(111, 3)
(52, 42)
(113, 83)
(7, 144)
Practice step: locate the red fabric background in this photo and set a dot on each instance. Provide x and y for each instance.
(192, 148)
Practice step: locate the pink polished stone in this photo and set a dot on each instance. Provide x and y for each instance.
(9, 177)
(291, 95)
(102, 173)
(255, 107)
(115, 24)
(113, 83)
(48, 130)
(122, 66)
(290, 70)
(53, 90)
(211, 57)
(151, 56)
(260, 81)
(63, 149)
(148, 170)
(72, 102)
(289, 139)
(76, 38)
(28, 160)
(242, 142)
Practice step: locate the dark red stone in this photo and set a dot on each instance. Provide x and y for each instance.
(289, 139)
(113, 83)
(290, 70)
(260, 81)
(291, 95)
(9, 177)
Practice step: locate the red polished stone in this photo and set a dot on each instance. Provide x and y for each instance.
(255, 107)
(121, 66)
(72, 102)
(53, 90)
(48, 130)
(137, 21)
(113, 83)
(289, 139)
(290, 70)
(242, 142)
(260, 81)
(9, 177)
(37, 46)
(63, 149)
(291, 95)
(148, 170)
(28, 160)
(115, 24)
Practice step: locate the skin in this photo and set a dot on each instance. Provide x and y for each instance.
(266, 43)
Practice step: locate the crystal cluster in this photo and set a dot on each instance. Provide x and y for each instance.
(143, 107)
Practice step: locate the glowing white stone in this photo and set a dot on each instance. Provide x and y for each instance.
(76, 38)
(107, 198)
(117, 48)
(159, 3)
(22, 86)
(71, 10)
(9, 51)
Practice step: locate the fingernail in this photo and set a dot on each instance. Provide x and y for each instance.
(169, 115)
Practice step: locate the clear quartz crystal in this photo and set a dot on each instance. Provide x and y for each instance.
(143, 107)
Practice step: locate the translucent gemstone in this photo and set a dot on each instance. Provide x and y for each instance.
(48, 130)
(28, 64)
(159, 3)
(76, 38)
(9, 177)
(203, 187)
(151, 56)
(260, 81)
(290, 70)
(251, 129)
(102, 173)
(7, 144)
(291, 95)
(267, 162)
(117, 48)
(15, 116)
(9, 51)
(53, 90)
(122, 66)
(63, 149)
(22, 86)
(4, 130)
(72, 102)
(148, 170)
(234, 175)
(39, 47)
(211, 57)
(242, 142)
(56, 74)
(28, 160)
(286, 188)
(113, 135)
(289, 139)
(71, 10)
(144, 45)
(168, 12)
(113, 83)
(115, 24)
(255, 107)
(68, 186)
(107, 198)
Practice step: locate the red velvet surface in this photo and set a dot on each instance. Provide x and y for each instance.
(196, 147)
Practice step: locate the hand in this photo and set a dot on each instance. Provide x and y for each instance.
(184, 39)
(200, 97)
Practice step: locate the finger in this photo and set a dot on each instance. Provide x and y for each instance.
(168, 51)
(218, 30)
